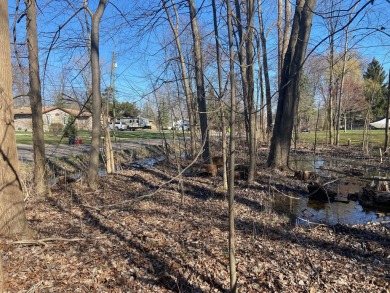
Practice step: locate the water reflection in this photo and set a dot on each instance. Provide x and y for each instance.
(343, 210)
(305, 210)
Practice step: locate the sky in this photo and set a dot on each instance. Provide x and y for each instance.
(128, 29)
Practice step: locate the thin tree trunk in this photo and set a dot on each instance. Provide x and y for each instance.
(220, 97)
(13, 220)
(287, 27)
(232, 150)
(187, 88)
(289, 90)
(268, 97)
(246, 57)
(331, 75)
(40, 181)
(251, 89)
(342, 86)
(1, 274)
(200, 87)
(96, 97)
(280, 40)
(387, 115)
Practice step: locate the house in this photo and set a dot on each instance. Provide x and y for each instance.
(51, 115)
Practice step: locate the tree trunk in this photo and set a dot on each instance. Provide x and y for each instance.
(341, 91)
(1, 274)
(13, 220)
(387, 115)
(96, 97)
(266, 71)
(186, 84)
(246, 57)
(220, 97)
(232, 150)
(40, 182)
(289, 88)
(287, 27)
(279, 27)
(200, 87)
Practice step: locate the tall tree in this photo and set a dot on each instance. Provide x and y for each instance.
(374, 77)
(246, 58)
(200, 86)
(12, 215)
(289, 86)
(40, 181)
(268, 97)
(232, 151)
(183, 71)
(220, 95)
(96, 94)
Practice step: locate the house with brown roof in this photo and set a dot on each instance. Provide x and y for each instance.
(51, 115)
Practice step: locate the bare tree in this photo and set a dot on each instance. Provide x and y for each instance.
(268, 97)
(96, 94)
(289, 87)
(200, 87)
(246, 58)
(232, 150)
(220, 95)
(40, 181)
(183, 71)
(12, 215)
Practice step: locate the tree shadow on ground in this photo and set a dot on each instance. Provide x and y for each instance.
(165, 275)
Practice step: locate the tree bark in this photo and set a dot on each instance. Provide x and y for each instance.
(13, 220)
(186, 84)
(246, 58)
(232, 150)
(220, 96)
(387, 115)
(96, 97)
(341, 90)
(40, 181)
(268, 97)
(289, 88)
(200, 87)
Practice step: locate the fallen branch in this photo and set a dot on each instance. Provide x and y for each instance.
(289, 196)
(45, 240)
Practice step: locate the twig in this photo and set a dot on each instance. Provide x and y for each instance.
(45, 240)
(35, 287)
(289, 196)
(157, 190)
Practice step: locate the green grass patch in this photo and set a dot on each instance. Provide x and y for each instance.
(376, 138)
(25, 137)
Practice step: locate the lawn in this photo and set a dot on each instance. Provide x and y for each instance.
(25, 137)
(376, 137)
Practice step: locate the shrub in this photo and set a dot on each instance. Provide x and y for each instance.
(70, 128)
(56, 127)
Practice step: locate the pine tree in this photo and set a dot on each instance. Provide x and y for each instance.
(375, 88)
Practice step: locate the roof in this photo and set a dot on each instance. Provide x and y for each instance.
(379, 124)
(47, 109)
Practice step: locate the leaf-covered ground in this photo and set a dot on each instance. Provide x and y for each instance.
(175, 240)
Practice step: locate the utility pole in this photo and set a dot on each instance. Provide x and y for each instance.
(112, 85)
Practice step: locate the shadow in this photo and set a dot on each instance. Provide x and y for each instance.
(165, 274)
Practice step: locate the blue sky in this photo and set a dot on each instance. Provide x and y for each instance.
(140, 52)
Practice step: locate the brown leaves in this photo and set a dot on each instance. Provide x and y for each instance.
(166, 244)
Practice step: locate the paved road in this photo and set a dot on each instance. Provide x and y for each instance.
(25, 152)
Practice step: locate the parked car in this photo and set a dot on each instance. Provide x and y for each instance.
(119, 125)
(180, 125)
